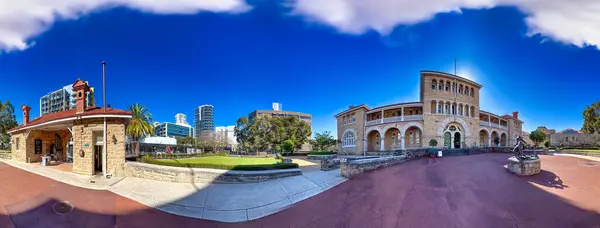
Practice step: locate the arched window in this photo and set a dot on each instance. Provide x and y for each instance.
(466, 90)
(472, 92)
(394, 139)
(348, 139)
(460, 89)
(433, 84)
(447, 86)
(441, 85)
(439, 108)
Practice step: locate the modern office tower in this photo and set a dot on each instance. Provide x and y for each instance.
(63, 99)
(204, 120)
(178, 129)
(226, 133)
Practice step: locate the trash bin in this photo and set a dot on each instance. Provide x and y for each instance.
(44, 160)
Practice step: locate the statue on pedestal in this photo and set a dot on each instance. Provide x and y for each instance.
(518, 151)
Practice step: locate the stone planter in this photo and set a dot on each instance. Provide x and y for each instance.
(524, 167)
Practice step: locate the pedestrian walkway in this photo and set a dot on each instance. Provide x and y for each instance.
(580, 156)
(218, 202)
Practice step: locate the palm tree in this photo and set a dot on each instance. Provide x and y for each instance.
(140, 124)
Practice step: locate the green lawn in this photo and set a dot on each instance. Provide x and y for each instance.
(224, 160)
(580, 150)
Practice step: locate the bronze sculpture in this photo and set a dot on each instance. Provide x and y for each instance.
(520, 154)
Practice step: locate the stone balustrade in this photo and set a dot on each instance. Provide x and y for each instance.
(320, 157)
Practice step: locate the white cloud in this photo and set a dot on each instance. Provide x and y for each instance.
(570, 21)
(21, 20)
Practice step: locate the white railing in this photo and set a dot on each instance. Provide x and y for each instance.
(503, 127)
(483, 123)
(373, 122)
(494, 125)
(392, 119)
(413, 117)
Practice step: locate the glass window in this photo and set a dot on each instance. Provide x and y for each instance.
(348, 139)
(38, 146)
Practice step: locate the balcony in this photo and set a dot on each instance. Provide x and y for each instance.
(494, 125)
(413, 117)
(373, 122)
(392, 119)
(503, 127)
(484, 123)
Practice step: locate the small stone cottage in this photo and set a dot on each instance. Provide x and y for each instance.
(74, 137)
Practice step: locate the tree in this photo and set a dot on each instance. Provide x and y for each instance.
(537, 137)
(288, 145)
(547, 144)
(433, 143)
(7, 121)
(323, 141)
(591, 119)
(140, 124)
(265, 132)
(496, 141)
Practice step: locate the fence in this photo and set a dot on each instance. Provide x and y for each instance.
(136, 149)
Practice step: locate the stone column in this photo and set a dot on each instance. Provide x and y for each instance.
(489, 140)
(381, 121)
(402, 145)
(402, 114)
(382, 144)
(437, 105)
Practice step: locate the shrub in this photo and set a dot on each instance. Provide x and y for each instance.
(182, 155)
(547, 144)
(288, 145)
(279, 157)
(277, 148)
(433, 143)
(321, 153)
(149, 160)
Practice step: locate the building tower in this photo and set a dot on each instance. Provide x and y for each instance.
(204, 120)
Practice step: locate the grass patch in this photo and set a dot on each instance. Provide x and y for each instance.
(321, 153)
(222, 162)
(4, 151)
(580, 150)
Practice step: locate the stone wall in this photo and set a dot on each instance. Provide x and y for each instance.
(320, 157)
(330, 164)
(353, 168)
(201, 175)
(19, 146)
(84, 132)
(6, 156)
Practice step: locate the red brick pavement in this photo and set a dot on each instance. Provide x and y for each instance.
(466, 191)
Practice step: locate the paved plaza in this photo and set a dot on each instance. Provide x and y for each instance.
(464, 191)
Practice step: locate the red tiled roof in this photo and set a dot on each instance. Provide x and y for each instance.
(72, 113)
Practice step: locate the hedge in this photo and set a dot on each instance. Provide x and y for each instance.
(149, 160)
(321, 153)
(180, 156)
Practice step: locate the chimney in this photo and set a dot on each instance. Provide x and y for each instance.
(81, 88)
(25, 109)
(516, 115)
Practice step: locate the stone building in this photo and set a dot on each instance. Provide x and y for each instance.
(571, 137)
(74, 137)
(447, 113)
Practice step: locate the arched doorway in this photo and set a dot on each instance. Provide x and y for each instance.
(412, 137)
(452, 136)
(457, 140)
(373, 141)
(494, 137)
(392, 139)
(483, 138)
(503, 139)
(447, 139)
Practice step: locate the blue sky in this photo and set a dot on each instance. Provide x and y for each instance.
(243, 56)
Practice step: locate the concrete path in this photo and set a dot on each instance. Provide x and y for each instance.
(218, 202)
(580, 156)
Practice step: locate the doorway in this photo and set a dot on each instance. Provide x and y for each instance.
(98, 158)
(457, 140)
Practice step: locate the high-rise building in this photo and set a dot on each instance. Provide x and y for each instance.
(204, 120)
(178, 129)
(181, 119)
(63, 99)
(226, 133)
